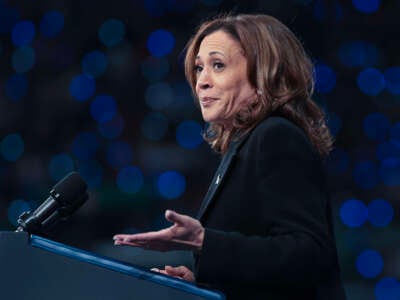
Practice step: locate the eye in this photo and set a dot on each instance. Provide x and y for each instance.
(218, 66)
(197, 68)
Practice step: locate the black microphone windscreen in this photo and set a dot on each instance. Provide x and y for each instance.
(69, 189)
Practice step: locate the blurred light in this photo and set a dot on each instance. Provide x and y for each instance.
(337, 162)
(15, 209)
(103, 108)
(371, 81)
(334, 123)
(8, 18)
(113, 128)
(94, 63)
(154, 126)
(380, 212)
(12, 147)
(366, 6)
(376, 127)
(130, 180)
(392, 80)
(388, 149)
(23, 33)
(171, 184)
(16, 87)
(23, 59)
(52, 23)
(365, 174)
(92, 172)
(211, 2)
(188, 134)
(395, 132)
(182, 96)
(359, 54)
(325, 78)
(389, 171)
(353, 213)
(82, 87)
(387, 288)
(60, 165)
(119, 154)
(369, 263)
(154, 69)
(159, 95)
(85, 145)
(160, 43)
(112, 32)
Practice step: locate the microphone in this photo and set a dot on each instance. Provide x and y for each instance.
(65, 198)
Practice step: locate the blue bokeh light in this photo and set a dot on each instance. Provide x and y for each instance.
(94, 63)
(387, 288)
(376, 127)
(353, 213)
(23, 33)
(325, 78)
(82, 87)
(371, 81)
(23, 59)
(113, 128)
(171, 184)
(159, 95)
(366, 6)
(154, 126)
(85, 145)
(380, 212)
(16, 87)
(388, 149)
(395, 132)
(155, 69)
(52, 23)
(130, 179)
(92, 172)
(337, 162)
(389, 171)
(60, 165)
(188, 134)
(119, 154)
(103, 108)
(369, 263)
(392, 80)
(112, 32)
(15, 209)
(160, 43)
(12, 147)
(8, 18)
(365, 174)
(359, 54)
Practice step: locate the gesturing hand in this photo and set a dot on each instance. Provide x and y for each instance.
(186, 234)
(180, 272)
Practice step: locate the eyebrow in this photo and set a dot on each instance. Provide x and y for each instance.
(211, 54)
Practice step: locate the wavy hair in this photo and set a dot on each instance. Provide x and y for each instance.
(277, 67)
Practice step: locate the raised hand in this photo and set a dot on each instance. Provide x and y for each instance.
(186, 234)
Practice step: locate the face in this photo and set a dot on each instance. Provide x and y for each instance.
(221, 72)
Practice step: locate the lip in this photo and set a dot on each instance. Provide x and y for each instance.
(207, 100)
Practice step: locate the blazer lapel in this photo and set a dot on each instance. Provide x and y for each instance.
(219, 176)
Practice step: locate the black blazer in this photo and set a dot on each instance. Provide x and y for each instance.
(267, 219)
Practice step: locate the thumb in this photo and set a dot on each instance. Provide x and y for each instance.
(174, 217)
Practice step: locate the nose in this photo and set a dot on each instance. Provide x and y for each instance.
(204, 80)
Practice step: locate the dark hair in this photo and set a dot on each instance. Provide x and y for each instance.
(277, 67)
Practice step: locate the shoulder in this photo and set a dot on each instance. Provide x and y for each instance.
(279, 135)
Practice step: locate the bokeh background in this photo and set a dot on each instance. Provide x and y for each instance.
(98, 87)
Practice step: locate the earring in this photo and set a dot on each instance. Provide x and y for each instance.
(259, 92)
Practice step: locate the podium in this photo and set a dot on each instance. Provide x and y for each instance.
(36, 268)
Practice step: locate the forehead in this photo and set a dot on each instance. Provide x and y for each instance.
(219, 41)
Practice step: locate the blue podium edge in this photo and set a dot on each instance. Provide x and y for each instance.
(121, 267)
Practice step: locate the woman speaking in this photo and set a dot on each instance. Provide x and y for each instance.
(264, 229)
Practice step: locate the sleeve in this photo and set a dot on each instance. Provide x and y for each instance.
(297, 247)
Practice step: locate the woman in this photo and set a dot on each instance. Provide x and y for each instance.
(264, 229)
